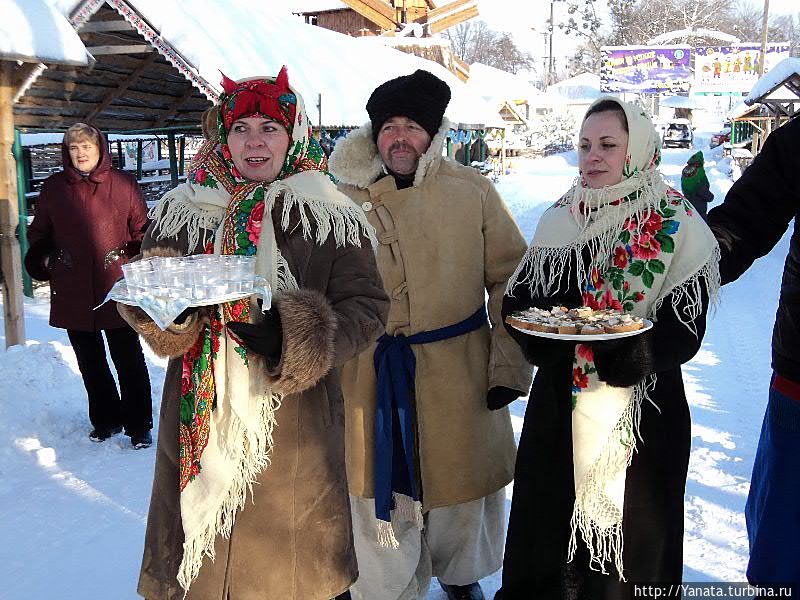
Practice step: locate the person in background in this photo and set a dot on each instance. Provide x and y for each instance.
(694, 184)
(89, 220)
(604, 451)
(249, 493)
(430, 446)
(755, 215)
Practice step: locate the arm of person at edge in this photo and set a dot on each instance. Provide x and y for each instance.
(40, 238)
(667, 345)
(759, 206)
(509, 373)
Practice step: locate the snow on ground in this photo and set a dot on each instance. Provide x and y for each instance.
(72, 513)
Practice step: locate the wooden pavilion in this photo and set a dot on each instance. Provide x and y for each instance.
(409, 19)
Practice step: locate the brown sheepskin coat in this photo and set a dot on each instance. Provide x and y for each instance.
(294, 540)
(446, 243)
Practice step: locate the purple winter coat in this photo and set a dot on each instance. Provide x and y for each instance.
(79, 220)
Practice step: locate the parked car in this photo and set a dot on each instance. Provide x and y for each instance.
(720, 137)
(678, 134)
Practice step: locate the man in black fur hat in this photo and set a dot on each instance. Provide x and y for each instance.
(430, 446)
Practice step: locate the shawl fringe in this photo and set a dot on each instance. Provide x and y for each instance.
(255, 448)
(406, 509)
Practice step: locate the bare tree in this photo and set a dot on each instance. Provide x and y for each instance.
(637, 22)
(474, 41)
(582, 22)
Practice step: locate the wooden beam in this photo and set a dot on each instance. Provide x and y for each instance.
(10, 259)
(169, 112)
(129, 80)
(121, 49)
(88, 87)
(448, 8)
(117, 25)
(453, 19)
(190, 120)
(377, 11)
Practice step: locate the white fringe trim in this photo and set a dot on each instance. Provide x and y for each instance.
(406, 510)
(175, 211)
(255, 451)
(604, 540)
(600, 234)
(690, 293)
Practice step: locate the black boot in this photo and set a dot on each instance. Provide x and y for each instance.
(343, 596)
(100, 434)
(472, 591)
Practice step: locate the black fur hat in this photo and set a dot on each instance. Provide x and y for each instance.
(421, 96)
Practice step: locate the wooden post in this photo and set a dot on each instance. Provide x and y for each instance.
(10, 259)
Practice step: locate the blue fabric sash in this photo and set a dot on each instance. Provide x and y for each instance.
(772, 511)
(395, 367)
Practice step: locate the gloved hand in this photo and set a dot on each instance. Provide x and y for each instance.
(57, 255)
(624, 362)
(500, 396)
(265, 338)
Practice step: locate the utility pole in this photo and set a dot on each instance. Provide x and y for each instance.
(764, 30)
(551, 29)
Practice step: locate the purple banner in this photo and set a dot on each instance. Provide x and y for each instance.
(650, 69)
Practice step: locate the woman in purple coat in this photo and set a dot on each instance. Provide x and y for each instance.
(90, 218)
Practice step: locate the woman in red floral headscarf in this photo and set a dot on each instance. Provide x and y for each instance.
(250, 497)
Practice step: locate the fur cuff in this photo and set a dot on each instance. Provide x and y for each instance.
(309, 331)
(175, 341)
(161, 251)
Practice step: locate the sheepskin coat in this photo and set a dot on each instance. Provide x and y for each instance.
(445, 242)
(293, 541)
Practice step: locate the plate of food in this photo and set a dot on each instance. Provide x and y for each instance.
(577, 324)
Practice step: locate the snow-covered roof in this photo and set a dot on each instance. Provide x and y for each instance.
(35, 31)
(772, 80)
(248, 38)
(739, 109)
(498, 83)
(303, 6)
(579, 89)
(680, 102)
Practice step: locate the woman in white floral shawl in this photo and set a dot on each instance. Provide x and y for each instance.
(602, 461)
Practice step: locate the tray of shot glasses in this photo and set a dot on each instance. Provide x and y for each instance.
(166, 286)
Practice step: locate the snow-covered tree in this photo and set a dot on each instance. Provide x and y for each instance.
(554, 132)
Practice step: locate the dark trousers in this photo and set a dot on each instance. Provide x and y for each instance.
(132, 406)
